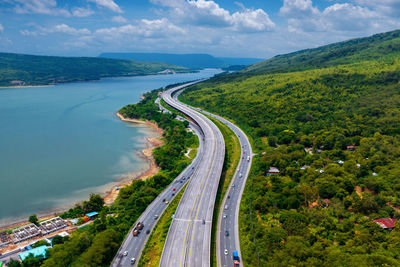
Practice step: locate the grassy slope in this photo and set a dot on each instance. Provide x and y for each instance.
(151, 254)
(41, 70)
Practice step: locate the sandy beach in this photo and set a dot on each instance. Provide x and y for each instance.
(110, 195)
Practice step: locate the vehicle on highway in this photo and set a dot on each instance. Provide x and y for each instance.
(125, 253)
(226, 207)
(167, 202)
(148, 231)
(204, 221)
(133, 260)
(224, 216)
(226, 252)
(173, 194)
(155, 217)
(229, 196)
(139, 226)
(227, 233)
(233, 185)
(240, 175)
(248, 158)
(135, 232)
(163, 200)
(174, 189)
(235, 256)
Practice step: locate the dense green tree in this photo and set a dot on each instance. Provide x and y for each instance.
(33, 219)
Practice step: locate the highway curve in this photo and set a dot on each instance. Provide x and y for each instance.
(133, 246)
(189, 237)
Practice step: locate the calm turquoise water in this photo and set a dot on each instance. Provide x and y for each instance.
(60, 143)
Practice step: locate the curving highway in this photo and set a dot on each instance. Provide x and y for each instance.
(189, 236)
(132, 246)
(228, 218)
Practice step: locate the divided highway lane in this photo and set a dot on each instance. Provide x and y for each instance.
(134, 245)
(189, 236)
(228, 219)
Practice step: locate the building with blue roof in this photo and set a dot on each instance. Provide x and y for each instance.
(37, 252)
(92, 215)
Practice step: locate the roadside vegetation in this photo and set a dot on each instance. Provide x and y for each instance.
(96, 243)
(20, 69)
(333, 133)
(152, 252)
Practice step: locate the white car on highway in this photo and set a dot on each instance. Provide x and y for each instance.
(226, 252)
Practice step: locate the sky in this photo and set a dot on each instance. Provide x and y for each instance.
(225, 28)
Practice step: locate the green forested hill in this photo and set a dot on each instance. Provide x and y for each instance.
(383, 45)
(318, 210)
(19, 69)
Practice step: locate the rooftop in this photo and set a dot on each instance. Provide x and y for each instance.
(91, 214)
(385, 222)
(37, 252)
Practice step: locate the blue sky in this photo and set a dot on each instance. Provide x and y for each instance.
(243, 28)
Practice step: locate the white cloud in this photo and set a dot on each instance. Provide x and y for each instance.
(145, 28)
(209, 14)
(119, 19)
(48, 7)
(60, 28)
(1, 28)
(82, 12)
(386, 7)
(298, 8)
(252, 20)
(302, 16)
(110, 4)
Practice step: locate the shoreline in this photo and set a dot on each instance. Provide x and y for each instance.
(110, 195)
(101, 78)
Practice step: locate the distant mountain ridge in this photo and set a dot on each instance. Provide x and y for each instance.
(20, 69)
(193, 61)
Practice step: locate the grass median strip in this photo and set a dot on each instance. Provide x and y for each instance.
(151, 254)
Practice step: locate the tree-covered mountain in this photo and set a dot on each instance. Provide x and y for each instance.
(329, 120)
(20, 69)
(192, 61)
(355, 50)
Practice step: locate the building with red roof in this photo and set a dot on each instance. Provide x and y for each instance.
(386, 223)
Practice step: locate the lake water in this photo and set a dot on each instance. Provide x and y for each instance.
(60, 143)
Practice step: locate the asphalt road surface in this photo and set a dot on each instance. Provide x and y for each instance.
(133, 246)
(189, 236)
(228, 219)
